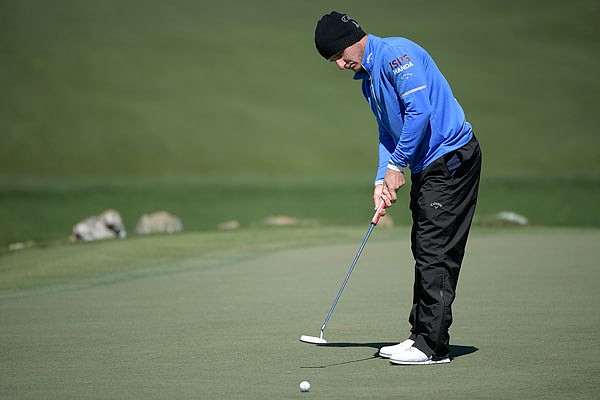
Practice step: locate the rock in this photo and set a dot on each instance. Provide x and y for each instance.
(284, 220)
(281, 220)
(386, 221)
(512, 218)
(229, 225)
(21, 245)
(158, 222)
(107, 225)
(504, 218)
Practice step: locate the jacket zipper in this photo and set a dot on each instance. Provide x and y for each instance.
(373, 92)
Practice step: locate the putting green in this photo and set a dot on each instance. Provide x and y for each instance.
(526, 326)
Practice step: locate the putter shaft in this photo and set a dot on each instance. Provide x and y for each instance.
(374, 222)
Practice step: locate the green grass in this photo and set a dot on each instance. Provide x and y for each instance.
(218, 315)
(47, 213)
(225, 110)
(91, 263)
(143, 89)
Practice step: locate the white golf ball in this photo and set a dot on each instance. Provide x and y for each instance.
(304, 386)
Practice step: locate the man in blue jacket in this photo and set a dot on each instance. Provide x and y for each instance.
(421, 127)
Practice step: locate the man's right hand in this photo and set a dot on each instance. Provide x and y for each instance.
(377, 198)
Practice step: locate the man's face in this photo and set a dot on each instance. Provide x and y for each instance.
(350, 58)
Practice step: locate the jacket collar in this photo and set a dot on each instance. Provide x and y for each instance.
(368, 58)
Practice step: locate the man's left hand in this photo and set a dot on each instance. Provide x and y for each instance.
(392, 182)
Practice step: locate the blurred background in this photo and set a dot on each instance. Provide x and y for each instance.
(224, 110)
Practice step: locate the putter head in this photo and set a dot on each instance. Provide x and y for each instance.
(312, 339)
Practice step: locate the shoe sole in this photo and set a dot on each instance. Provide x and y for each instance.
(428, 362)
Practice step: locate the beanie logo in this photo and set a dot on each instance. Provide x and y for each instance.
(346, 18)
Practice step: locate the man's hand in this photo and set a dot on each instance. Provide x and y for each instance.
(392, 182)
(377, 197)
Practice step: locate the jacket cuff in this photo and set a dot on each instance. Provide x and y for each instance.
(395, 167)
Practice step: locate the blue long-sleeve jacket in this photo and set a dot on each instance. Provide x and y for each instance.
(418, 117)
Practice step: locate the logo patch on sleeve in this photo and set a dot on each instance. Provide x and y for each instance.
(400, 64)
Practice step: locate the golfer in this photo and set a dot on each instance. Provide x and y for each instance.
(421, 127)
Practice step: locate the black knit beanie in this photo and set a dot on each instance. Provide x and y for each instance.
(335, 32)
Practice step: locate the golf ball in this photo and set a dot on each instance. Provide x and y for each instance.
(304, 386)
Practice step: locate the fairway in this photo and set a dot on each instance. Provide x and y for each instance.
(526, 325)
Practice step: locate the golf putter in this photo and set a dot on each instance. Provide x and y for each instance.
(374, 221)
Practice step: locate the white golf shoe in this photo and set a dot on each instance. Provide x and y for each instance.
(414, 356)
(389, 351)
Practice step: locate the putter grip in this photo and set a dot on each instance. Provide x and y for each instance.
(377, 215)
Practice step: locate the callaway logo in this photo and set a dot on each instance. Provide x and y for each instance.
(369, 58)
(436, 205)
(346, 18)
(400, 64)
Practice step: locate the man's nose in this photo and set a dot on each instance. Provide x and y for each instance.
(340, 63)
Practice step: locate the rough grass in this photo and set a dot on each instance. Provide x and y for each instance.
(46, 213)
(147, 88)
(225, 110)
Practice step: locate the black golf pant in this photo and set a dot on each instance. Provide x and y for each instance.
(442, 202)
